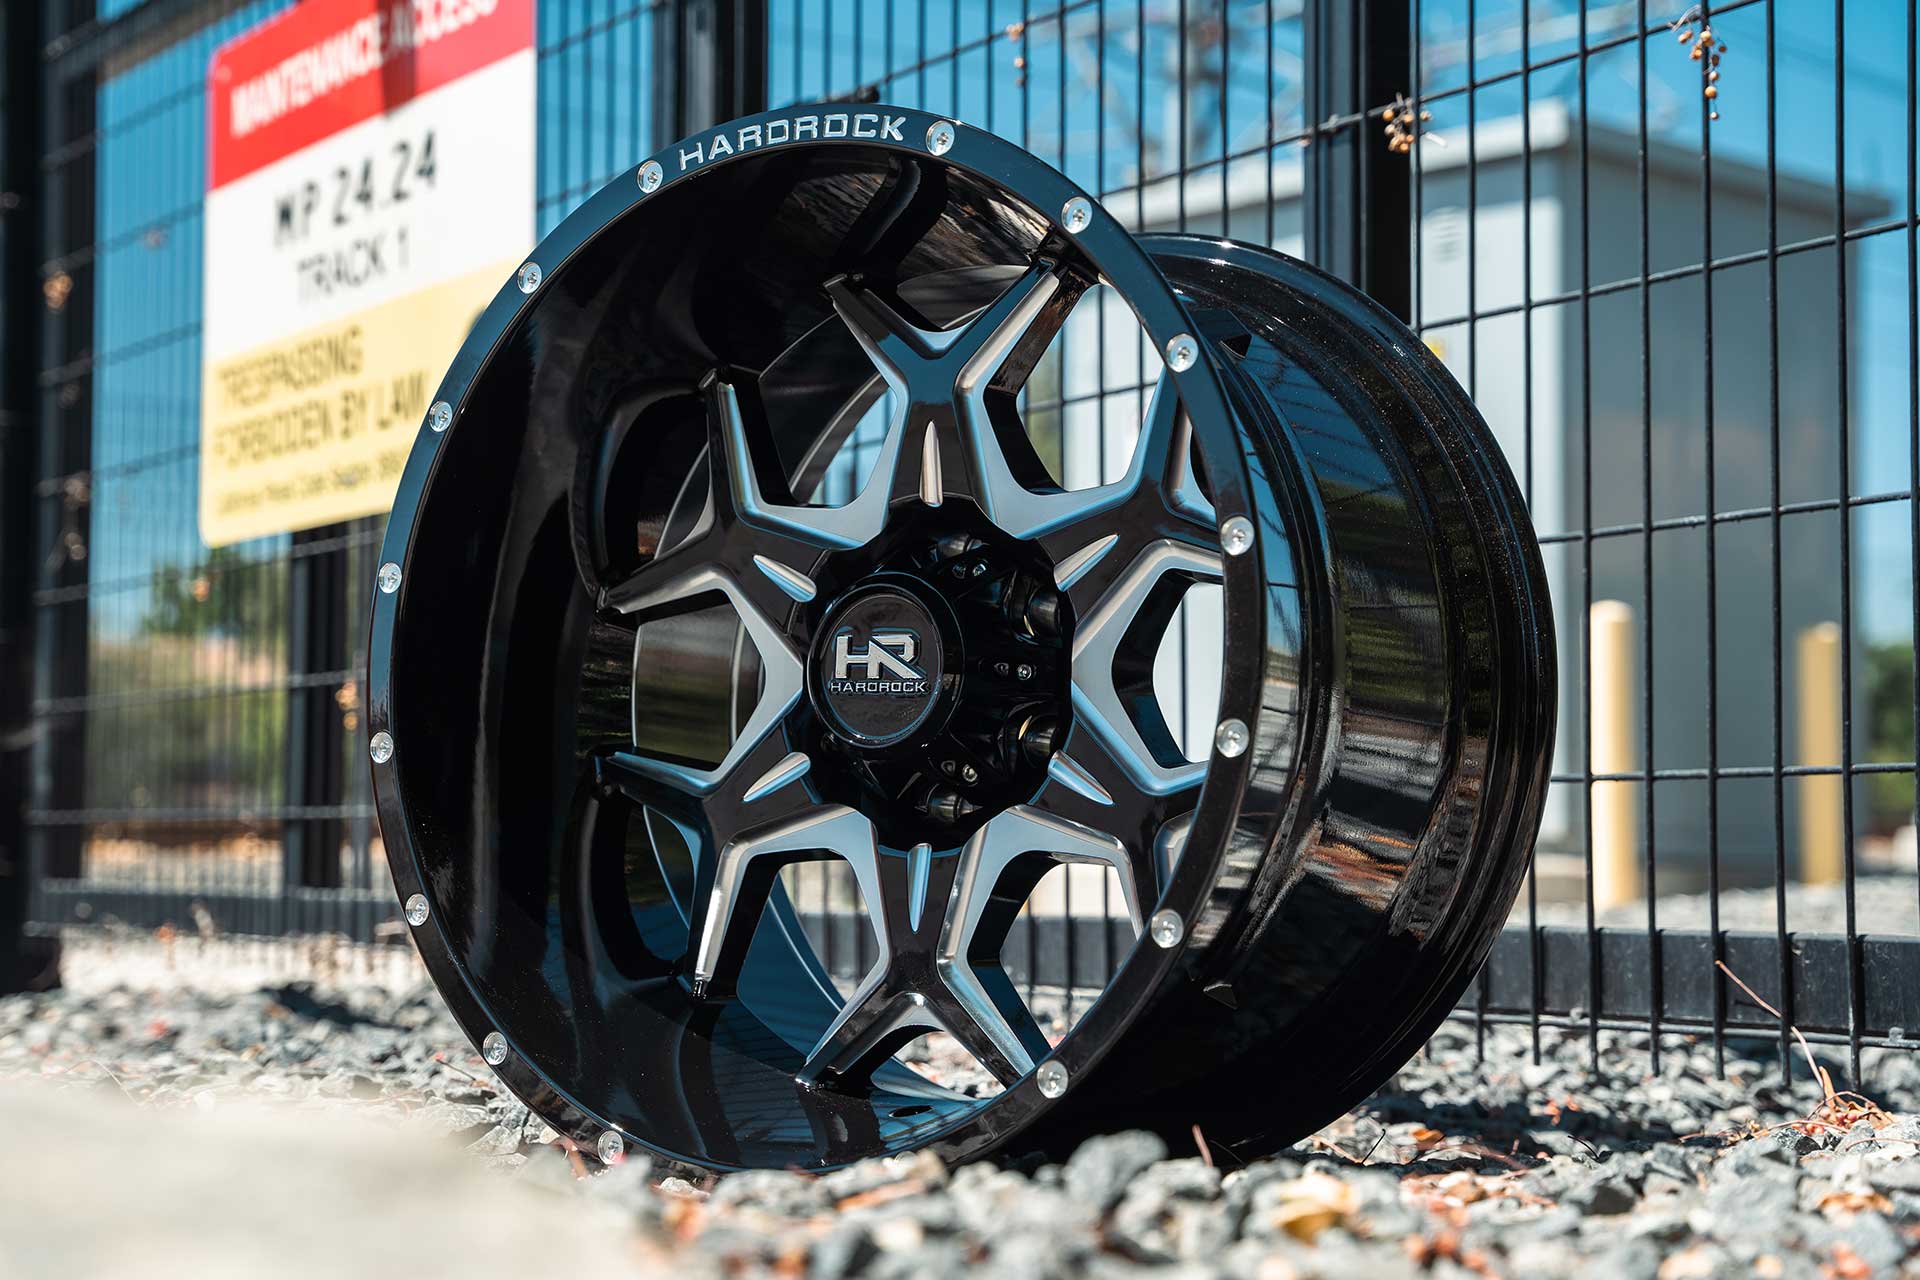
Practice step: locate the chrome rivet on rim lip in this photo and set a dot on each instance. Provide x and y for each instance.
(1231, 737)
(528, 276)
(1077, 214)
(381, 747)
(651, 176)
(612, 1148)
(940, 136)
(1182, 351)
(1051, 1077)
(389, 578)
(440, 417)
(494, 1048)
(1236, 535)
(417, 910)
(1166, 928)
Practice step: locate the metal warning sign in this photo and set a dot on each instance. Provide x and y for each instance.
(370, 185)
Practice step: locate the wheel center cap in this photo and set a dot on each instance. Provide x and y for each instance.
(880, 664)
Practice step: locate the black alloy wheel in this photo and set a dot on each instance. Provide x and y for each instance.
(742, 535)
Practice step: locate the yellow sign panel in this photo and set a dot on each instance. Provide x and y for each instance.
(316, 427)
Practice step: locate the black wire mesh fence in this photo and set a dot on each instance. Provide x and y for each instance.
(1670, 251)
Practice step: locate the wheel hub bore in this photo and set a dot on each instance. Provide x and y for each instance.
(940, 678)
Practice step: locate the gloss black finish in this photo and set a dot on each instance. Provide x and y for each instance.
(1387, 641)
(1395, 840)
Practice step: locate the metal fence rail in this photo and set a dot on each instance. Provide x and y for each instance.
(1684, 290)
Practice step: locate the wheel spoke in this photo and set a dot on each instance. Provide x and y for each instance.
(675, 582)
(1159, 461)
(996, 352)
(660, 585)
(1089, 787)
(1159, 498)
(1091, 560)
(1102, 640)
(838, 528)
(1170, 843)
(875, 1021)
(990, 1022)
(1024, 832)
(890, 1006)
(1184, 495)
(969, 375)
(999, 867)
(895, 347)
(999, 347)
(732, 887)
(616, 771)
(906, 993)
(914, 363)
(994, 1023)
(1163, 458)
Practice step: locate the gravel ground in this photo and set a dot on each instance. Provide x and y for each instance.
(1457, 1167)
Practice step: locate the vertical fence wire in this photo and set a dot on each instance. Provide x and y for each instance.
(1913, 396)
(1584, 213)
(1843, 462)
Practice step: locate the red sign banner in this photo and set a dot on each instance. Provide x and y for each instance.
(323, 67)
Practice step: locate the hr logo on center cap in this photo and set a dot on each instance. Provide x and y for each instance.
(879, 664)
(887, 654)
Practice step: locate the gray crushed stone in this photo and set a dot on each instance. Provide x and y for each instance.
(1457, 1167)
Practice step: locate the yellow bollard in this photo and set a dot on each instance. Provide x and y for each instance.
(1817, 682)
(1616, 860)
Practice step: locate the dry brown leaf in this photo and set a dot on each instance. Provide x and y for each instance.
(883, 1195)
(684, 1217)
(1846, 1265)
(1835, 1203)
(1445, 1246)
(792, 1260)
(1694, 1263)
(1448, 1194)
(1311, 1203)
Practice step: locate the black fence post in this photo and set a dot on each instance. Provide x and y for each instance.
(60, 297)
(316, 654)
(1359, 205)
(712, 63)
(19, 466)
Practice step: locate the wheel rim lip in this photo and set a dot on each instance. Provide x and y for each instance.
(1517, 779)
(1121, 262)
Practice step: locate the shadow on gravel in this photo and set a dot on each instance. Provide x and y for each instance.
(303, 1001)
